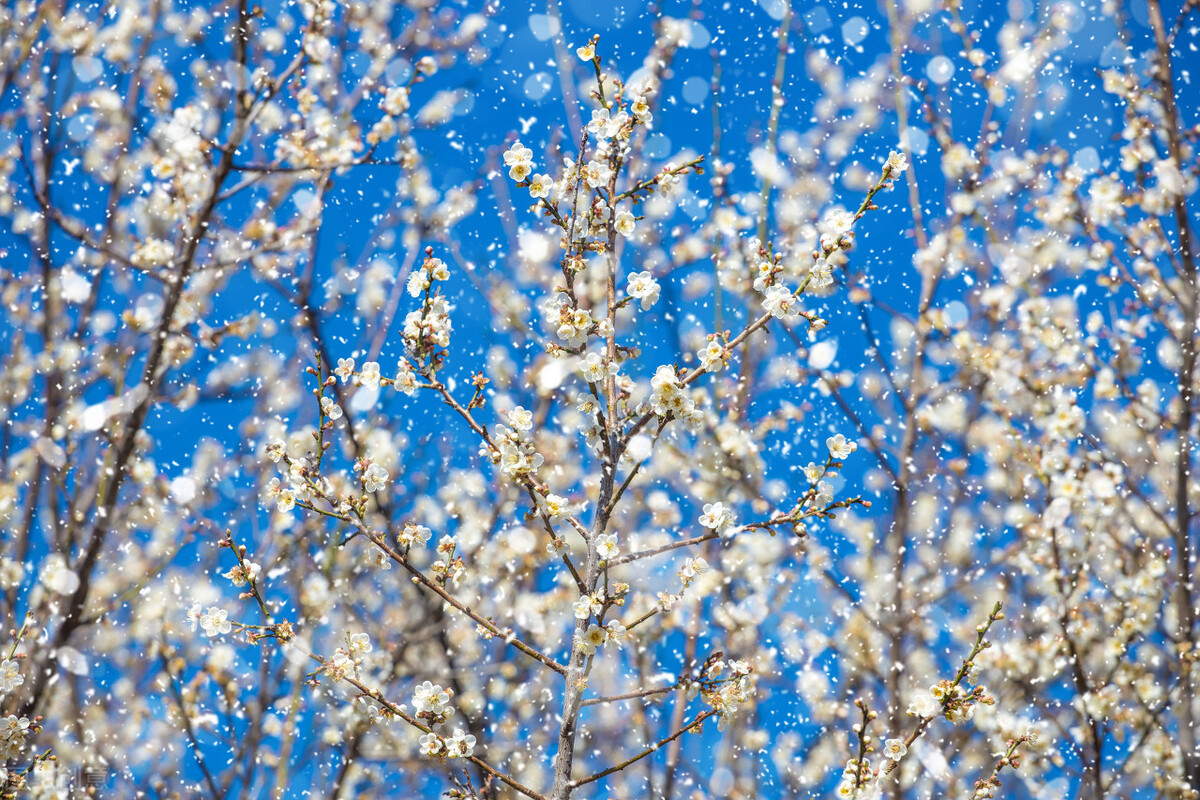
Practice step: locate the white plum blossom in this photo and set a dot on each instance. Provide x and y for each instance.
(436, 269)
(556, 507)
(13, 732)
(369, 375)
(712, 356)
(375, 478)
(215, 621)
(840, 447)
(616, 632)
(640, 108)
(540, 185)
(691, 568)
(430, 744)
(727, 697)
(340, 666)
(514, 454)
(430, 325)
(431, 701)
(517, 154)
(839, 221)
(405, 380)
(572, 325)
(412, 535)
(591, 640)
(587, 605)
(894, 749)
(716, 516)
(57, 576)
(10, 675)
(330, 408)
(153, 253)
(395, 100)
(460, 745)
(668, 393)
(604, 124)
(781, 303)
(822, 273)
(521, 419)
(606, 546)
(596, 173)
(624, 223)
(595, 369)
(431, 270)
(240, 575)
(418, 282)
(924, 705)
(520, 170)
(643, 287)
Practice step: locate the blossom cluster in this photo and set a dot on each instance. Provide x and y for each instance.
(956, 702)
(670, 398)
(727, 694)
(458, 745)
(432, 703)
(13, 732)
(347, 661)
(595, 636)
(514, 451)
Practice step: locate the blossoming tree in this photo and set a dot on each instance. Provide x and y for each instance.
(349, 451)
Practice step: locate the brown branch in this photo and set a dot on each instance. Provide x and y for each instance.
(695, 723)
